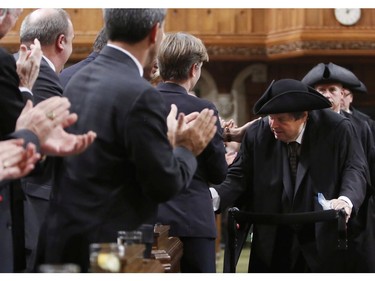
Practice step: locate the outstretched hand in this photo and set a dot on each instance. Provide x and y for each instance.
(61, 143)
(44, 117)
(233, 133)
(47, 120)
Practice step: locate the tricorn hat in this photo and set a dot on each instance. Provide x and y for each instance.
(324, 73)
(361, 89)
(289, 95)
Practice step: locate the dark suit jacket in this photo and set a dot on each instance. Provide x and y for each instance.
(190, 213)
(330, 162)
(360, 114)
(38, 185)
(68, 72)
(363, 131)
(365, 128)
(12, 244)
(47, 84)
(117, 183)
(11, 99)
(12, 102)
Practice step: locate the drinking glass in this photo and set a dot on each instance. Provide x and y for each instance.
(107, 257)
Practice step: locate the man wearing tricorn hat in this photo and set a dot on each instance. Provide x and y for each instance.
(332, 80)
(347, 100)
(335, 82)
(333, 74)
(329, 162)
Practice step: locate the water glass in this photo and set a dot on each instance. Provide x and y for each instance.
(107, 258)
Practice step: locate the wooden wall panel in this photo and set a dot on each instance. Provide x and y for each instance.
(86, 22)
(243, 21)
(288, 41)
(248, 34)
(313, 17)
(259, 21)
(176, 20)
(210, 21)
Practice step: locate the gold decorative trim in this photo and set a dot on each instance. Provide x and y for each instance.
(292, 47)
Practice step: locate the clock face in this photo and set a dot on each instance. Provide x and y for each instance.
(349, 16)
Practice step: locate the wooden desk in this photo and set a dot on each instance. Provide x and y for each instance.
(165, 256)
(145, 266)
(167, 250)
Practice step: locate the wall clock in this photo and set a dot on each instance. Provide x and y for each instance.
(348, 16)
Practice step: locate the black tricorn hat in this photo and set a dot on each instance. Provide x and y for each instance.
(289, 95)
(324, 73)
(361, 89)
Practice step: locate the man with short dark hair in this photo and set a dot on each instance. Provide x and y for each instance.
(142, 155)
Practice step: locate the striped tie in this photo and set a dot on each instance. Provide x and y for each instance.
(293, 158)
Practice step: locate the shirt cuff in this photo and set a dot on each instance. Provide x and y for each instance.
(347, 200)
(24, 89)
(215, 199)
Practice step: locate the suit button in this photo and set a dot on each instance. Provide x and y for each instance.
(9, 226)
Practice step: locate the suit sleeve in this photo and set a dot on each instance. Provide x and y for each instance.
(239, 177)
(11, 101)
(355, 167)
(215, 165)
(47, 84)
(28, 136)
(161, 171)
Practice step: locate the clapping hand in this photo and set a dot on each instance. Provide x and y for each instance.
(61, 143)
(47, 120)
(28, 64)
(15, 160)
(193, 131)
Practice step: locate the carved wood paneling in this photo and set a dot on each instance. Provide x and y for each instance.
(270, 34)
(284, 39)
(238, 34)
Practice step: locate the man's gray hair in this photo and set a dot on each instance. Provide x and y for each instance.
(46, 29)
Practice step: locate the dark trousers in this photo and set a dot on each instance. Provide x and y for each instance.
(199, 255)
(287, 253)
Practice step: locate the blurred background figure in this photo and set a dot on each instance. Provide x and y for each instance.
(54, 30)
(99, 43)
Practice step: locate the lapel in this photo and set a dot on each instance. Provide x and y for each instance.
(304, 157)
(302, 168)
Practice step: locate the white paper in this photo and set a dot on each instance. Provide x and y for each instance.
(326, 204)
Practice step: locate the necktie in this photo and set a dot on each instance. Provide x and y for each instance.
(293, 158)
